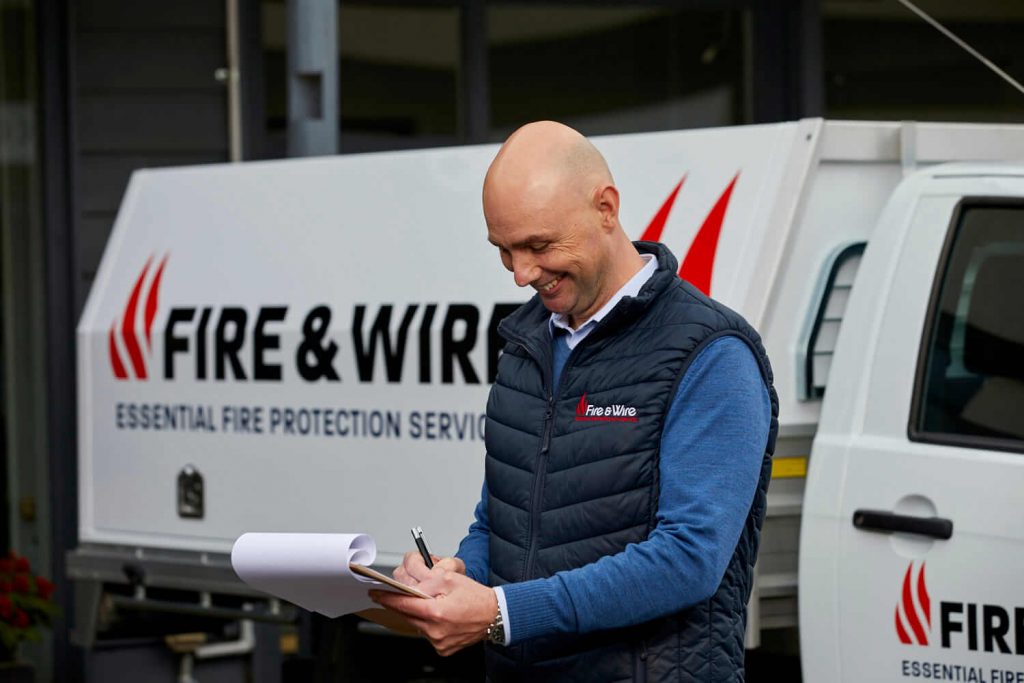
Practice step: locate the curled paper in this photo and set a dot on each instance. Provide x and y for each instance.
(309, 570)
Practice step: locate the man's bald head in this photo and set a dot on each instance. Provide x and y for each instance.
(543, 158)
(552, 210)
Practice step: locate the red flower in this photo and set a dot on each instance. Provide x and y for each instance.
(5, 587)
(6, 566)
(6, 607)
(44, 587)
(22, 583)
(21, 564)
(21, 619)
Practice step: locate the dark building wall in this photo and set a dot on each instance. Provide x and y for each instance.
(123, 85)
(144, 95)
(894, 68)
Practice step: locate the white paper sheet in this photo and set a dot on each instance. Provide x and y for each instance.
(309, 570)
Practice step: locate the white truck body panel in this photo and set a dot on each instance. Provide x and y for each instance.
(397, 228)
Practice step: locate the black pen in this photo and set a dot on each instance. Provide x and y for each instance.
(417, 535)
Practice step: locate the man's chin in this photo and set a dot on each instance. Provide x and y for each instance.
(561, 303)
(553, 309)
(565, 312)
(555, 304)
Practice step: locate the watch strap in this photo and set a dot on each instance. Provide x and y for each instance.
(496, 631)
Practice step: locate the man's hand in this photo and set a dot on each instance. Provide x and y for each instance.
(457, 617)
(414, 569)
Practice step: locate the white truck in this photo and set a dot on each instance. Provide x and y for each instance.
(306, 345)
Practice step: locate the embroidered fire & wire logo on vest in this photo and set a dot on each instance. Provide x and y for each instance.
(616, 412)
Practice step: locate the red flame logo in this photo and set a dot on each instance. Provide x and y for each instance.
(123, 340)
(699, 261)
(914, 609)
(581, 407)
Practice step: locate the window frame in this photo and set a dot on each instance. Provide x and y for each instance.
(914, 433)
(839, 259)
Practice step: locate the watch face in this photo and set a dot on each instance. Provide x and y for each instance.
(496, 633)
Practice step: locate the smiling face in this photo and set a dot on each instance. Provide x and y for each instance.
(552, 211)
(556, 245)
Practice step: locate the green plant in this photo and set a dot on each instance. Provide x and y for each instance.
(25, 604)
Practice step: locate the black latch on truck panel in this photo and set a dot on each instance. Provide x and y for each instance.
(190, 493)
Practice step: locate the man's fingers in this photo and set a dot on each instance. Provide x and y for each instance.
(452, 564)
(438, 583)
(458, 616)
(403, 576)
(413, 608)
(413, 568)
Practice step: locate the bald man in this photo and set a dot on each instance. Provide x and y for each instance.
(629, 439)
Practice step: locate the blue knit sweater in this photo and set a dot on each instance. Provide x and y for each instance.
(712, 448)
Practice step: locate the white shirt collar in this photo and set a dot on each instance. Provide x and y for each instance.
(631, 288)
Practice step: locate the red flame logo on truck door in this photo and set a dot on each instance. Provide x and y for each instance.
(124, 331)
(914, 609)
(699, 261)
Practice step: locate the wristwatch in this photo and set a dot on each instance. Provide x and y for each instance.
(496, 631)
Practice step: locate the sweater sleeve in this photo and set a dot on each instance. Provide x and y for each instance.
(475, 547)
(712, 448)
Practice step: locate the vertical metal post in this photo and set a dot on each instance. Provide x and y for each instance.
(812, 67)
(787, 60)
(234, 83)
(56, 40)
(312, 77)
(774, 86)
(474, 79)
(749, 81)
(250, 80)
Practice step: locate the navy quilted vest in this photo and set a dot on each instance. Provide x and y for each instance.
(564, 492)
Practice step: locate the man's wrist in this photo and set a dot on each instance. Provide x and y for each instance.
(499, 632)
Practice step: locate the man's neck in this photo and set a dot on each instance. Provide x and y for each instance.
(630, 287)
(629, 267)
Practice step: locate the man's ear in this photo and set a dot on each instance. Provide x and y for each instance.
(606, 199)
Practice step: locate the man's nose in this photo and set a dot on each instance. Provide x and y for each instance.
(525, 270)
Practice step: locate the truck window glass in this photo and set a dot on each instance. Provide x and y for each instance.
(973, 373)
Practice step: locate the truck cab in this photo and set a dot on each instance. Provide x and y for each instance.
(912, 541)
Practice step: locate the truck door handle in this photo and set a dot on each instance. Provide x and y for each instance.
(881, 520)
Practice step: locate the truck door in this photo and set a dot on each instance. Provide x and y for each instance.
(920, 494)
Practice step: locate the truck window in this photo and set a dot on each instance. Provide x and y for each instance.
(970, 385)
(821, 342)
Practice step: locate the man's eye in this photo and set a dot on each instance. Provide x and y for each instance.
(539, 246)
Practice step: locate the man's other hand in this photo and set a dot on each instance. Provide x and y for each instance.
(414, 569)
(457, 617)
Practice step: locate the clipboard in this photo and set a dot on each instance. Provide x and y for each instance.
(371, 573)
